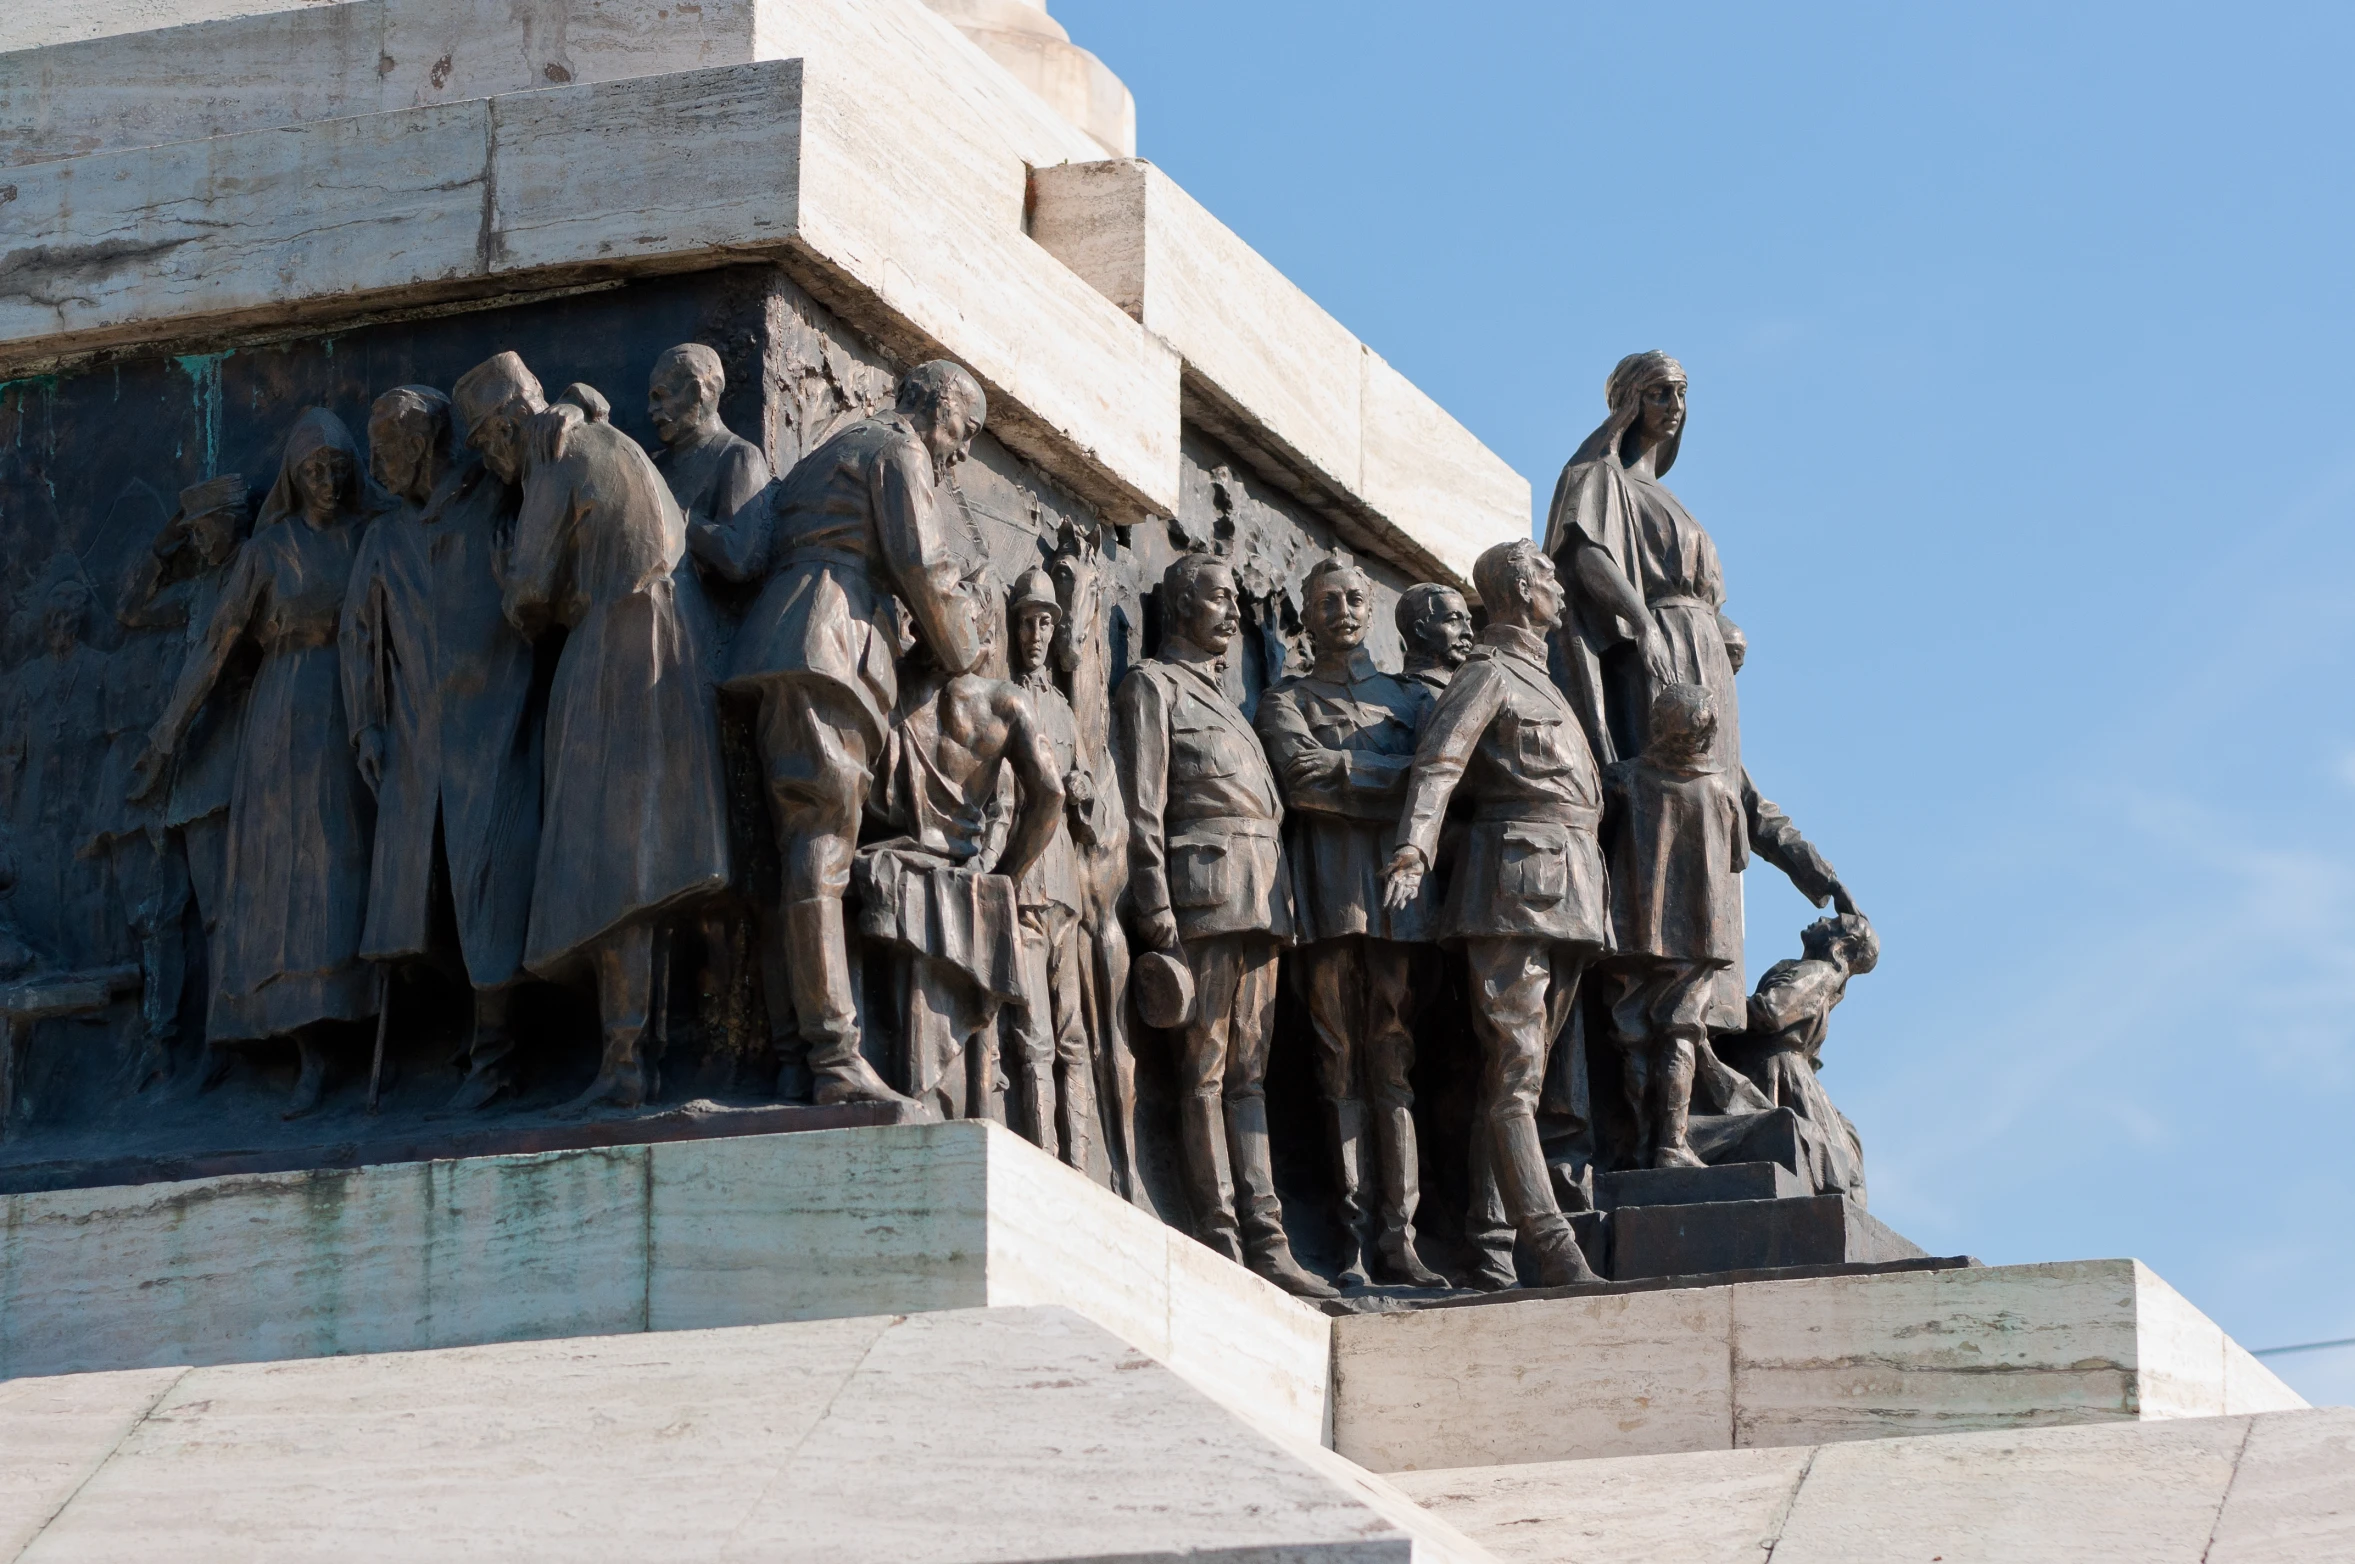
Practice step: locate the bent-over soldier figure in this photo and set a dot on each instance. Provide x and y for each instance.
(1526, 903)
(633, 826)
(1208, 886)
(437, 687)
(1342, 738)
(856, 538)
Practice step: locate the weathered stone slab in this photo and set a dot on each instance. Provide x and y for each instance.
(1557, 1379)
(1719, 1507)
(685, 1235)
(54, 1433)
(1004, 1434)
(1454, 494)
(1791, 1362)
(2293, 1494)
(2238, 1490)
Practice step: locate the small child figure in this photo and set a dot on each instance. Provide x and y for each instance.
(1677, 836)
(1789, 1015)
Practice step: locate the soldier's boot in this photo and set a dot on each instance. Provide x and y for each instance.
(1210, 1185)
(1078, 1113)
(1401, 1195)
(1672, 1087)
(1529, 1195)
(1350, 1146)
(1488, 1230)
(820, 975)
(1034, 1111)
(1266, 1250)
(489, 1070)
(621, 1072)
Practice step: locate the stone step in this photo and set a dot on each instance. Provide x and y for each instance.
(1697, 1186)
(678, 1235)
(2264, 1489)
(1010, 1434)
(1610, 1372)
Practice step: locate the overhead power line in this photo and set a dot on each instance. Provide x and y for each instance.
(2303, 1346)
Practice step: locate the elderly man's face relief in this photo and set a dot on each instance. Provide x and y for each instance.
(499, 438)
(1338, 603)
(678, 403)
(1212, 614)
(1543, 593)
(397, 449)
(948, 431)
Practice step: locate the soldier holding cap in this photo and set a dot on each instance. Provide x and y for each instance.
(1210, 893)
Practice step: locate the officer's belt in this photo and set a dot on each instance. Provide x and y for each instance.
(1189, 833)
(1536, 811)
(819, 554)
(1682, 600)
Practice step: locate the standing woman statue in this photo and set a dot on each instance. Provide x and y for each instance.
(300, 820)
(1647, 593)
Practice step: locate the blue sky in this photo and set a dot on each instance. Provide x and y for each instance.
(2020, 342)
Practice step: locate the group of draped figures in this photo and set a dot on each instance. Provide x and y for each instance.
(461, 694)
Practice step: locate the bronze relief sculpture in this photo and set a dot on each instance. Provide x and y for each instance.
(296, 855)
(633, 826)
(1341, 736)
(1208, 886)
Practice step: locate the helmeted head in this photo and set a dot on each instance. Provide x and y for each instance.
(683, 392)
(1198, 601)
(1847, 939)
(409, 440)
(1337, 602)
(1682, 725)
(1035, 612)
(214, 515)
(1435, 622)
(947, 407)
(494, 401)
(1517, 585)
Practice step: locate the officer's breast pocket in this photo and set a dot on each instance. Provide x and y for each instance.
(1535, 864)
(1540, 746)
(1201, 874)
(1201, 752)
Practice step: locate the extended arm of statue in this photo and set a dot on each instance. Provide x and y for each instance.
(1774, 838)
(1142, 736)
(240, 600)
(1450, 735)
(1601, 579)
(907, 514)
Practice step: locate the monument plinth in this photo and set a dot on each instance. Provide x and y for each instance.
(749, 804)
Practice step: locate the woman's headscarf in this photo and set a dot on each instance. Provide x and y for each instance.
(1624, 391)
(319, 429)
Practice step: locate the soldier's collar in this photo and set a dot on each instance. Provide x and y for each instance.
(1354, 667)
(1516, 639)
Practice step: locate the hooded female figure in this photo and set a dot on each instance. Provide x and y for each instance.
(1647, 593)
(300, 819)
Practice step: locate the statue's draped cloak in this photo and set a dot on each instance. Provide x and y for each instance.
(430, 659)
(633, 820)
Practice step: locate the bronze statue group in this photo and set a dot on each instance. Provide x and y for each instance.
(465, 683)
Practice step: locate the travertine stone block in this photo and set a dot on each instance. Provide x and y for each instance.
(2137, 1494)
(1011, 1434)
(1555, 1379)
(678, 1236)
(1718, 1507)
(2292, 1499)
(1783, 1363)
(1427, 471)
(2238, 1490)
(54, 1433)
